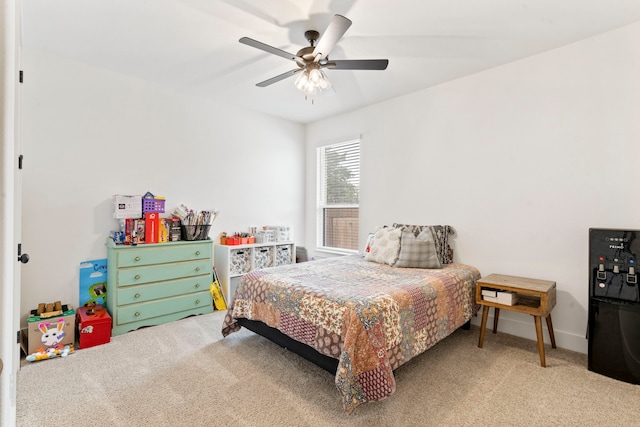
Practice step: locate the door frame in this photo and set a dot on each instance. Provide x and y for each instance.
(9, 212)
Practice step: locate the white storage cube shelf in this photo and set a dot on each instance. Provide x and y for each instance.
(234, 261)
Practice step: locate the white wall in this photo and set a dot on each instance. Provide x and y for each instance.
(89, 133)
(521, 159)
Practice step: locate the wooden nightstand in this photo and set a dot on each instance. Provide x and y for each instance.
(532, 296)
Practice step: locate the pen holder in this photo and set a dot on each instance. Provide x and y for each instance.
(195, 232)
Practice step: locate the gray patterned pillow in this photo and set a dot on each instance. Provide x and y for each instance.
(385, 246)
(417, 251)
(440, 237)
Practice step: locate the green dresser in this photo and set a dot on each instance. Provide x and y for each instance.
(154, 284)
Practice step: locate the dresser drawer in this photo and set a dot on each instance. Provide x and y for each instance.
(153, 273)
(159, 290)
(160, 254)
(148, 310)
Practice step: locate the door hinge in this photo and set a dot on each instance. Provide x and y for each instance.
(20, 157)
(21, 77)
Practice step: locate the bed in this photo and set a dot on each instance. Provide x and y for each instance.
(355, 317)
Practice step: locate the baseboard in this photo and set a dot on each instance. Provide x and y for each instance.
(565, 340)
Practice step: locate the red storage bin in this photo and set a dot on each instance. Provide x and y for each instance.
(94, 326)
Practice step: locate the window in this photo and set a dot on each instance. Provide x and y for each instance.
(338, 196)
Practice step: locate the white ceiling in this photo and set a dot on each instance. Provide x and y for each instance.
(192, 45)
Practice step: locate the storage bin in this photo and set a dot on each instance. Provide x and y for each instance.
(282, 233)
(262, 257)
(265, 236)
(195, 232)
(240, 261)
(153, 205)
(283, 254)
(94, 326)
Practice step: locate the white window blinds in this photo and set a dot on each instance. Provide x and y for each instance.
(338, 196)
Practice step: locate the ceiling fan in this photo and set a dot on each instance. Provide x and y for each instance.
(312, 59)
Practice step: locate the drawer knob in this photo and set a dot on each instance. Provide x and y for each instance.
(197, 285)
(137, 313)
(137, 258)
(137, 277)
(197, 268)
(197, 252)
(137, 295)
(197, 301)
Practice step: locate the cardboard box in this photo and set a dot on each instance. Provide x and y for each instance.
(151, 227)
(135, 231)
(163, 230)
(43, 333)
(94, 326)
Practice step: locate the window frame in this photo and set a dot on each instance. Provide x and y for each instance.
(321, 193)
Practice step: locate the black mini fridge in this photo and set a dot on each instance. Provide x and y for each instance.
(614, 304)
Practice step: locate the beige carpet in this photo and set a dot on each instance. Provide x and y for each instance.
(185, 374)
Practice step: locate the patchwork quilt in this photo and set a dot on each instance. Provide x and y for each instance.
(371, 317)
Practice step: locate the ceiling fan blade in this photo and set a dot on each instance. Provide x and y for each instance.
(357, 64)
(270, 49)
(334, 32)
(276, 79)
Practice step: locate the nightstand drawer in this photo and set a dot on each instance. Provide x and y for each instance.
(137, 276)
(170, 288)
(147, 310)
(157, 254)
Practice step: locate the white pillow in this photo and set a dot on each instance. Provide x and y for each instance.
(367, 245)
(385, 247)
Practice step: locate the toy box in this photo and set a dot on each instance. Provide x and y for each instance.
(94, 326)
(45, 332)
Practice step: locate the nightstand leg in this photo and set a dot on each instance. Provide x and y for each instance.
(550, 327)
(496, 314)
(540, 340)
(485, 313)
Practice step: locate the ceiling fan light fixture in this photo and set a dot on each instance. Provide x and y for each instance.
(315, 76)
(312, 59)
(324, 82)
(302, 80)
(312, 80)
